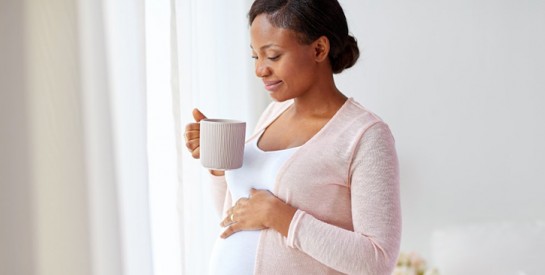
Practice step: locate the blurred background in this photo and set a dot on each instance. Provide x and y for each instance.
(94, 95)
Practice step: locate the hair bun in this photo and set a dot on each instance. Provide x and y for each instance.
(347, 57)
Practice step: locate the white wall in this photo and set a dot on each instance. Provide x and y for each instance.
(462, 84)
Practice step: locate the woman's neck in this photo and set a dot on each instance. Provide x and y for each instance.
(319, 103)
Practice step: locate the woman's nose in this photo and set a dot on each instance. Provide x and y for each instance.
(262, 70)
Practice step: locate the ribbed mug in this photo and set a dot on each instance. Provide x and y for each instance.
(222, 143)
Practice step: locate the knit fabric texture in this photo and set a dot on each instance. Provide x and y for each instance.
(345, 183)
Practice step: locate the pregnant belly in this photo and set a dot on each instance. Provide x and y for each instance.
(235, 255)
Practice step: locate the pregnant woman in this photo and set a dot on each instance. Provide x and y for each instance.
(319, 189)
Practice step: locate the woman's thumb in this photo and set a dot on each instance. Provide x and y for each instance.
(197, 115)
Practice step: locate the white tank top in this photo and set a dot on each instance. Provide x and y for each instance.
(236, 254)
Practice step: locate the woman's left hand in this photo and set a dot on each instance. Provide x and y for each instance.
(260, 211)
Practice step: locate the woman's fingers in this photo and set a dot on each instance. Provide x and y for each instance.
(242, 201)
(231, 217)
(192, 145)
(194, 148)
(231, 221)
(192, 139)
(192, 131)
(196, 154)
(189, 135)
(197, 115)
(240, 217)
(228, 221)
(232, 229)
(193, 127)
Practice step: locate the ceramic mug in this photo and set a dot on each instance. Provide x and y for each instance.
(222, 143)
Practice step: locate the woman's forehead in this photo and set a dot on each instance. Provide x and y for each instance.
(263, 34)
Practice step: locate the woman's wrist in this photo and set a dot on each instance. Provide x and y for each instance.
(282, 214)
(217, 173)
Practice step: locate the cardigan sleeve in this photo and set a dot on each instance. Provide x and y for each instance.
(221, 197)
(219, 192)
(373, 246)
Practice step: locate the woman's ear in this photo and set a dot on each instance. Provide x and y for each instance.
(321, 48)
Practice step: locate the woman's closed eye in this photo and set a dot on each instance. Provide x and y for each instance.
(273, 58)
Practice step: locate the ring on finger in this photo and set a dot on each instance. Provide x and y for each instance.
(232, 217)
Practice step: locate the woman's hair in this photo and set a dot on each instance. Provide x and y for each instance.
(311, 19)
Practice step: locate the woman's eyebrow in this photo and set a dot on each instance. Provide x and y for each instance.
(264, 47)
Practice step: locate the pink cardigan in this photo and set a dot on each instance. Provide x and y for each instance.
(345, 183)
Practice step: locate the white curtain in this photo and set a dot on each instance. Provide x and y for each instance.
(79, 194)
(162, 152)
(213, 71)
(124, 148)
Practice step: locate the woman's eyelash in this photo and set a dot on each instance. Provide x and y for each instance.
(273, 58)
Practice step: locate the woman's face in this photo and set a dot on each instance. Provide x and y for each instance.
(287, 67)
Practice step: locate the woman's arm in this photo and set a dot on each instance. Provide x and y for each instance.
(218, 192)
(374, 245)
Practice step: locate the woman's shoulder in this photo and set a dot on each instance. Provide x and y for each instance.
(353, 113)
(370, 124)
(358, 109)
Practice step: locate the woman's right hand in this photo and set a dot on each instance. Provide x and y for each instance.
(193, 133)
(192, 138)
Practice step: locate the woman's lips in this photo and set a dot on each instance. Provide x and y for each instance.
(272, 85)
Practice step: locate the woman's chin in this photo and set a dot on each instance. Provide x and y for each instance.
(279, 97)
